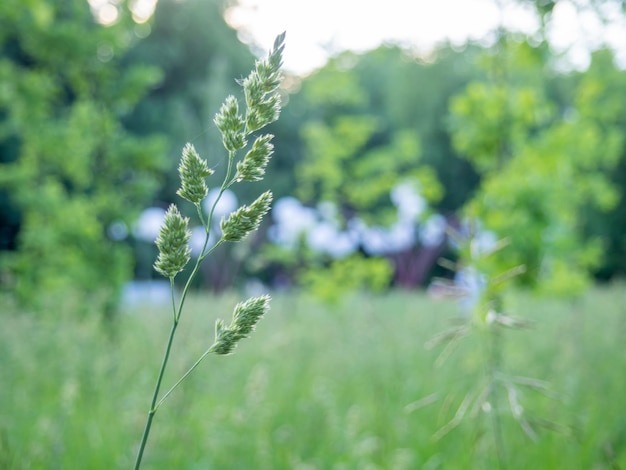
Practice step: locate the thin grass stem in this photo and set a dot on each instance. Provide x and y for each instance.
(155, 395)
(185, 375)
(177, 313)
(174, 252)
(492, 346)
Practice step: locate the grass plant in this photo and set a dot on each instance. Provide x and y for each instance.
(262, 108)
(318, 387)
(497, 391)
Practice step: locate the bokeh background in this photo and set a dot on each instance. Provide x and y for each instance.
(408, 129)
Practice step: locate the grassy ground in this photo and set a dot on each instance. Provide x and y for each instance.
(316, 387)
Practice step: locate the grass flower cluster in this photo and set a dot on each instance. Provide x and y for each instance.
(193, 171)
(173, 244)
(246, 219)
(262, 108)
(245, 317)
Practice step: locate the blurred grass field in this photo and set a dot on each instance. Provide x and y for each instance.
(316, 387)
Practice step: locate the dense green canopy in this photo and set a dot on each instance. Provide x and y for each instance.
(504, 133)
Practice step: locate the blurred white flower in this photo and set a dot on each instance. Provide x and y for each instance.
(322, 232)
(292, 220)
(380, 241)
(148, 225)
(328, 211)
(196, 242)
(401, 236)
(409, 202)
(325, 238)
(226, 205)
(433, 231)
(374, 240)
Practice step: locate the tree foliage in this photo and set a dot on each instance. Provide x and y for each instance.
(542, 166)
(537, 150)
(68, 166)
(198, 55)
(405, 100)
(356, 150)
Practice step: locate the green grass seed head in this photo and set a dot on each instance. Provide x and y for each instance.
(173, 244)
(263, 107)
(260, 89)
(245, 317)
(231, 125)
(246, 219)
(193, 170)
(252, 167)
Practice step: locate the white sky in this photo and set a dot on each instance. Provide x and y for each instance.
(319, 28)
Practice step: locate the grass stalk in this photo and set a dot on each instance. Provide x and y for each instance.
(263, 106)
(492, 362)
(155, 395)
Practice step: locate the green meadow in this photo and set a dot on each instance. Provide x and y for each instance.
(348, 386)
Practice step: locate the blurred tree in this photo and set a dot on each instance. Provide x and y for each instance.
(411, 92)
(605, 82)
(541, 166)
(71, 176)
(403, 92)
(362, 137)
(198, 54)
(368, 123)
(604, 9)
(601, 92)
